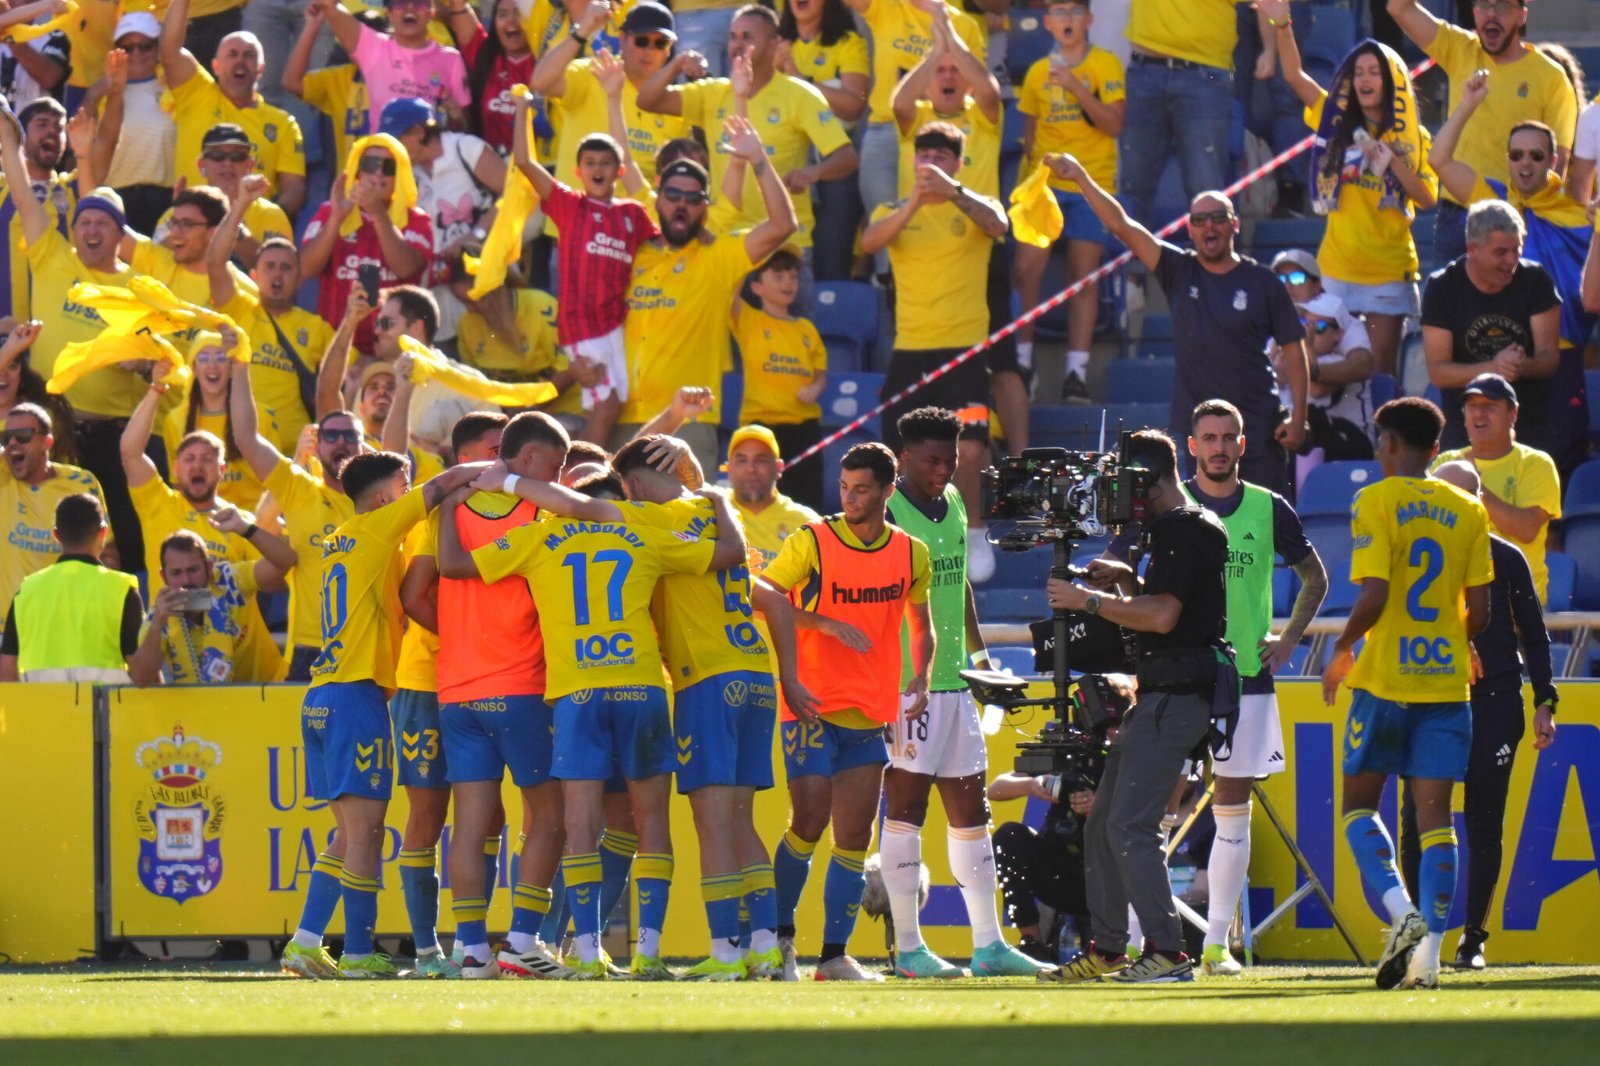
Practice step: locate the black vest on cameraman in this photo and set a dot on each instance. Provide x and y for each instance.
(1187, 548)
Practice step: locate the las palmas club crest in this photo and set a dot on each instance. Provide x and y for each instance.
(179, 817)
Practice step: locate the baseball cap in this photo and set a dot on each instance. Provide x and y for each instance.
(1297, 257)
(1327, 305)
(374, 370)
(141, 22)
(225, 133)
(1490, 387)
(648, 16)
(756, 433)
(403, 112)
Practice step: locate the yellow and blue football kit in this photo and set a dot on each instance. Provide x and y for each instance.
(1410, 713)
(420, 757)
(592, 582)
(345, 718)
(725, 703)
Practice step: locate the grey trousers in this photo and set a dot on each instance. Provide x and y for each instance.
(1124, 859)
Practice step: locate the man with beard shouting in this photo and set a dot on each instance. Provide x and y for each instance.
(683, 284)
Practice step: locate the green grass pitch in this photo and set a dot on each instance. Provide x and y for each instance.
(239, 1016)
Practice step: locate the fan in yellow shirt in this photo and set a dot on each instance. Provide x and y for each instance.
(754, 466)
(226, 158)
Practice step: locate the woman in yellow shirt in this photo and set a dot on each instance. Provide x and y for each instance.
(1369, 175)
(207, 408)
(819, 44)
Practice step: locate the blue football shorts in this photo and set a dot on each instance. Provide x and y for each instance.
(345, 728)
(599, 728)
(486, 737)
(1430, 741)
(724, 729)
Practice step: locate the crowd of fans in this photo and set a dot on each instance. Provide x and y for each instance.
(622, 201)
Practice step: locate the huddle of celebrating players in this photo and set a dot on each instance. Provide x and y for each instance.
(540, 624)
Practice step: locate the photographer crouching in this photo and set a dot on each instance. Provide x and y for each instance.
(1179, 611)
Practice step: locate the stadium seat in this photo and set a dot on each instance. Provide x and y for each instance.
(1018, 658)
(1284, 589)
(1028, 569)
(1155, 327)
(1563, 579)
(1330, 488)
(1026, 43)
(1140, 380)
(1151, 348)
(1133, 416)
(1583, 542)
(1583, 489)
(1075, 427)
(1296, 666)
(846, 314)
(849, 395)
(1384, 389)
(1330, 535)
(1280, 233)
(731, 396)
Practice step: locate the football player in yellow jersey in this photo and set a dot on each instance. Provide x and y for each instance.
(1421, 549)
(724, 707)
(345, 718)
(592, 576)
(312, 506)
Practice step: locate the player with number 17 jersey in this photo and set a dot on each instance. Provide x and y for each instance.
(1430, 540)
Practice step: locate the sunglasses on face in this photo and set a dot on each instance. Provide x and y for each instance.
(1201, 218)
(1319, 326)
(21, 436)
(218, 155)
(1538, 155)
(143, 49)
(339, 436)
(660, 44)
(371, 164)
(1295, 277)
(676, 196)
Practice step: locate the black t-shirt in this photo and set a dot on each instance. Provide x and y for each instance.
(1480, 325)
(1221, 325)
(1188, 552)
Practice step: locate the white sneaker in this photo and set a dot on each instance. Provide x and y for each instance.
(473, 970)
(844, 968)
(791, 969)
(537, 961)
(1422, 971)
(980, 555)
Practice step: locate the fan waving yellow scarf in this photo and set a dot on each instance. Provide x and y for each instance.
(1036, 216)
(136, 320)
(405, 181)
(503, 246)
(1404, 134)
(427, 363)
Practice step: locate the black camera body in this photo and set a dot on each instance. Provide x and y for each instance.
(1053, 494)
(1075, 749)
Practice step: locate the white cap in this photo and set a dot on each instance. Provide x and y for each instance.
(1327, 305)
(141, 22)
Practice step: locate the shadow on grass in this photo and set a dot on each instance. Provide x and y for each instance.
(1456, 1041)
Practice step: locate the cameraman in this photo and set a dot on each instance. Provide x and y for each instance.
(1180, 610)
(1043, 865)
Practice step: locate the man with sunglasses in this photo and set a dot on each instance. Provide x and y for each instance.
(30, 488)
(200, 101)
(683, 284)
(1528, 86)
(226, 158)
(646, 45)
(1226, 308)
(1558, 235)
(313, 507)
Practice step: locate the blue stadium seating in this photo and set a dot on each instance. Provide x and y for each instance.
(1018, 658)
(1151, 348)
(1330, 535)
(1029, 569)
(1280, 233)
(847, 396)
(1134, 416)
(846, 314)
(1583, 542)
(1563, 581)
(1156, 327)
(1136, 380)
(1330, 488)
(1012, 604)
(1583, 489)
(1064, 426)
(732, 398)
(1026, 43)
(1284, 590)
(1384, 389)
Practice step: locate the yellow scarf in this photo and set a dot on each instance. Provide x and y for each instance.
(28, 32)
(405, 181)
(427, 363)
(1036, 216)
(137, 319)
(503, 246)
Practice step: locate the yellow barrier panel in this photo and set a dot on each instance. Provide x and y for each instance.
(47, 789)
(217, 817)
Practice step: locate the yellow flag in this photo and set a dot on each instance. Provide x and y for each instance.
(503, 246)
(427, 363)
(137, 320)
(27, 32)
(1036, 217)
